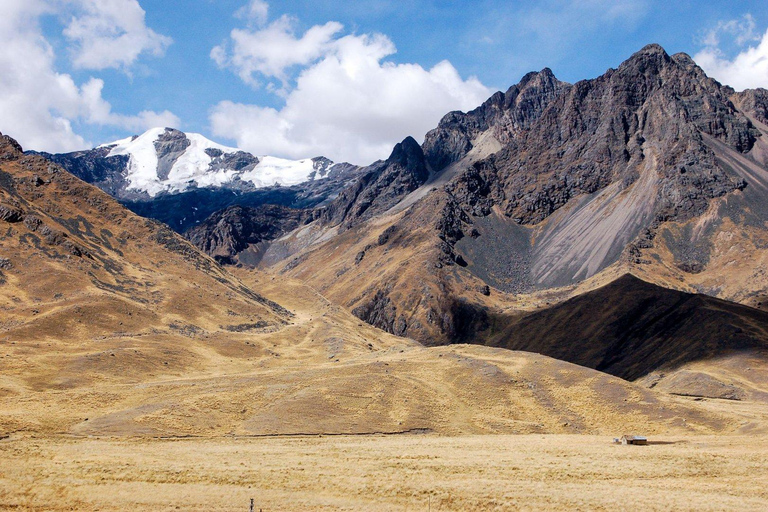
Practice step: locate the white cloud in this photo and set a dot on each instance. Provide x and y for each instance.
(38, 104)
(748, 69)
(257, 11)
(111, 34)
(741, 30)
(272, 50)
(348, 102)
(98, 111)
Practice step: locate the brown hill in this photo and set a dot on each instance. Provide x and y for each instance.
(79, 270)
(113, 325)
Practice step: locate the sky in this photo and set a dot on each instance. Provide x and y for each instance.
(346, 80)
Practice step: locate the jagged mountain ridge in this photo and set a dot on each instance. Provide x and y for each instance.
(549, 185)
(182, 178)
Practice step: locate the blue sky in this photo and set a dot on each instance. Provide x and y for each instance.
(345, 79)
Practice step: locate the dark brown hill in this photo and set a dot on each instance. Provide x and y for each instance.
(630, 328)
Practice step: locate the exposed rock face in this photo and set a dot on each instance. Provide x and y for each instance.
(228, 232)
(504, 113)
(380, 186)
(753, 102)
(548, 185)
(239, 161)
(170, 145)
(381, 313)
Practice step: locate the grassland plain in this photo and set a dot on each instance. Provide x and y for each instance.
(404, 472)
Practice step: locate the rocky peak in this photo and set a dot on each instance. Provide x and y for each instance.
(321, 165)
(505, 113)
(170, 145)
(409, 156)
(9, 148)
(380, 186)
(754, 103)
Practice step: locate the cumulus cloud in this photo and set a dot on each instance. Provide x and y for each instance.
(111, 34)
(38, 104)
(749, 68)
(96, 110)
(348, 102)
(271, 51)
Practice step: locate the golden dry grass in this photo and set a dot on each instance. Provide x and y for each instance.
(416, 472)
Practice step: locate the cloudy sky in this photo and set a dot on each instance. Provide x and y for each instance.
(347, 80)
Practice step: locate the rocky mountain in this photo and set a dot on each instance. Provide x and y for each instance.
(234, 234)
(182, 178)
(546, 191)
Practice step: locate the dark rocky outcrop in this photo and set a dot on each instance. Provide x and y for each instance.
(169, 146)
(379, 186)
(228, 232)
(238, 161)
(753, 102)
(382, 313)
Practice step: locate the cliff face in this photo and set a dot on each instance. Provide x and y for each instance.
(231, 231)
(754, 103)
(380, 186)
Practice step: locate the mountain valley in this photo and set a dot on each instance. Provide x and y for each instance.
(563, 265)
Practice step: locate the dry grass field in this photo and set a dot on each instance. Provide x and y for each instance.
(405, 472)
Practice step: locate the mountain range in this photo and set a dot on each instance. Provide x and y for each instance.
(542, 192)
(182, 178)
(606, 238)
(114, 325)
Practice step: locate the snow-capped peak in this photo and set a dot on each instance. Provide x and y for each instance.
(168, 160)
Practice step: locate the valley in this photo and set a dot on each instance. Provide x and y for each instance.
(466, 324)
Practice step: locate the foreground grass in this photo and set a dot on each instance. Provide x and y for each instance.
(416, 472)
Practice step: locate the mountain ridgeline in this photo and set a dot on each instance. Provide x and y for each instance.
(543, 192)
(544, 187)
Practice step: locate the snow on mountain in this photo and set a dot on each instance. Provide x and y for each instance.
(168, 160)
